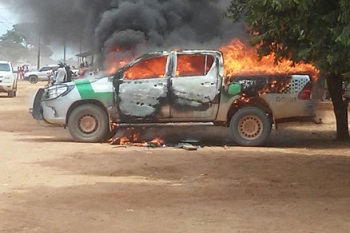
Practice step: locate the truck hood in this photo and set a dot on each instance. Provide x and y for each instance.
(91, 78)
(4, 73)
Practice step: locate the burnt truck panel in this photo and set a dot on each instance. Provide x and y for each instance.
(288, 103)
(194, 91)
(186, 84)
(256, 85)
(143, 89)
(142, 98)
(281, 90)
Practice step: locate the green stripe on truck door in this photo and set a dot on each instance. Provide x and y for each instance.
(87, 92)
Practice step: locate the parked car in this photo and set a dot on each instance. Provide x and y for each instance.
(43, 74)
(175, 88)
(8, 79)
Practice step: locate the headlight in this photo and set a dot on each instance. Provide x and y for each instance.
(56, 91)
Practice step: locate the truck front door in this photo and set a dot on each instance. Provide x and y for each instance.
(195, 86)
(143, 90)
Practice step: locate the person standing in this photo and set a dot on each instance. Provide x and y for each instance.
(61, 74)
(82, 71)
(70, 74)
(21, 72)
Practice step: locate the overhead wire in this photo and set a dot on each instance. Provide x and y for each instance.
(5, 22)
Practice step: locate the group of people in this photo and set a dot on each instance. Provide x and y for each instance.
(21, 70)
(63, 74)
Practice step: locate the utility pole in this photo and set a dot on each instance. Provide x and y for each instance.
(65, 46)
(39, 51)
(80, 49)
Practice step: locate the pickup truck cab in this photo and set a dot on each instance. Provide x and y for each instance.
(8, 79)
(176, 87)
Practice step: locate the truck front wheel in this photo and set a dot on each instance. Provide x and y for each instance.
(88, 123)
(250, 126)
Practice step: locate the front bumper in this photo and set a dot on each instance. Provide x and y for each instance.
(37, 111)
(5, 87)
(48, 111)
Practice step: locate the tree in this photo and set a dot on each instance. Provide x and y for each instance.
(11, 51)
(310, 31)
(21, 42)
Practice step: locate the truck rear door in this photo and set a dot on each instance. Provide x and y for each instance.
(194, 88)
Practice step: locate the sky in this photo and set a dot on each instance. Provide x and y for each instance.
(7, 18)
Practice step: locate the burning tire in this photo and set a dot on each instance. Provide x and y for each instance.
(250, 126)
(88, 123)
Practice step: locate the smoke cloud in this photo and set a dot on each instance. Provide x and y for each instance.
(110, 25)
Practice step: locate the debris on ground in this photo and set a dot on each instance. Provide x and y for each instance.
(186, 146)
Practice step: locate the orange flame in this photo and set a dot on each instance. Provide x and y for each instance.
(239, 59)
(131, 138)
(148, 68)
(116, 60)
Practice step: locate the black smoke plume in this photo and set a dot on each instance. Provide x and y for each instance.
(131, 25)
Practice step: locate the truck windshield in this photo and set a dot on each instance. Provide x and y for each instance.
(5, 67)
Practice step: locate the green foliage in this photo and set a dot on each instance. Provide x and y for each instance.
(311, 31)
(12, 51)
(12, 35)
(21, 42)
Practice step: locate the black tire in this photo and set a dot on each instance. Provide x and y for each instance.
(33, 79)
(88, 123)
(250, 126)
(15, 90)
(11, 93)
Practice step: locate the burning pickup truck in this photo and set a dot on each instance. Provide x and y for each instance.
(176, 87)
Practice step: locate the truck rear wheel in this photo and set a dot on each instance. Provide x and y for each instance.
(250, 126)
(33, 79)
(88, 123)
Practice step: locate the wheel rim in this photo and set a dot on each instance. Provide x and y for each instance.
(250, 127)
(88, 124)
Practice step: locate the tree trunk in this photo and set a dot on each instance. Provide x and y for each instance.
(334, 83)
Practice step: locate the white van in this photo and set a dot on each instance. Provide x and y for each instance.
(8, 79)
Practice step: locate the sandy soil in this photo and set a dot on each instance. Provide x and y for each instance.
(298, 182)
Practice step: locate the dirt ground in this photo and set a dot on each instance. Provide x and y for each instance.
(298, 182)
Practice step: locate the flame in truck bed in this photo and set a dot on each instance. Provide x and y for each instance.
(239, 59)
